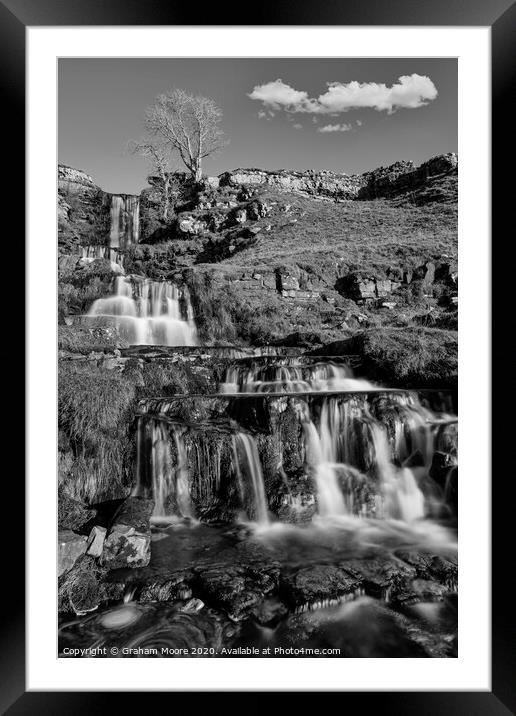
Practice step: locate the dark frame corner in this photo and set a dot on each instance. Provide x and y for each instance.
(500, 15)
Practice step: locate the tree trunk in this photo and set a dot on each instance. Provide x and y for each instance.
(197, 171)
(165, 199)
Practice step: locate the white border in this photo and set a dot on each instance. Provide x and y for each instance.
(471, 670)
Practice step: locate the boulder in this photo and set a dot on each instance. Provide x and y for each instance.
(426, 272)
(96, 541)
(257, 210)
(70, 546)
(79, 589)
(128, 541)
(190, 225)
(318, 584)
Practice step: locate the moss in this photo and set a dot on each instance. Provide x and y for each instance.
(403, 357)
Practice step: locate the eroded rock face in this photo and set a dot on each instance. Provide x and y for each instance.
(128, 542)
(71, 546)
(384, 182)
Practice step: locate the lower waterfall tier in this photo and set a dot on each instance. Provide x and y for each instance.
(293, 457)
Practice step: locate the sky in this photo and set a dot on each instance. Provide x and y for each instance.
(343, 115)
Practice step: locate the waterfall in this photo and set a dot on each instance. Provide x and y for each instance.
(319, 455)
(149, 312)
(347, 433)
(158, 474)
(92, 252)
(359, 454)
(125, 220)
(402, 497)
(250, 477)
(292, 378)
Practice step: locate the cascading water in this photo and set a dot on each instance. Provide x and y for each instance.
(125, 220)
(291, 378)
(90, 253)
(250, 477)
(367, 454)
(149, 312)
(158, 474)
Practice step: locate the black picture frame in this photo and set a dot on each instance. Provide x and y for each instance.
(500, 16)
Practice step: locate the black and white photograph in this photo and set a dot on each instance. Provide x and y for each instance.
(257, 357)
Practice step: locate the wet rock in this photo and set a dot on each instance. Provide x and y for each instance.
(171, 588)
(96, 541)
(128, 542)
(72, 514)
(235, 588)
(381, 578)
(422, 590)
(79, 589)
(318, 585)
(432, 566)
(70, 546)
(270, 611)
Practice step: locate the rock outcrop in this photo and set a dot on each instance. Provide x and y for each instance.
(128, 542)
(384, 182)
(71, 546)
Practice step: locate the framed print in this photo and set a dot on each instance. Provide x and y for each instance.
(259, 309)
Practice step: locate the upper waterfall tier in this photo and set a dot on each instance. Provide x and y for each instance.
(149, 312)
(125, 220)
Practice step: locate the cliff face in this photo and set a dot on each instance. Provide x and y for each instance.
(384, 182)
(83, 209)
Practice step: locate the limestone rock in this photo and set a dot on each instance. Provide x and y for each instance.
(71, 546)
(96, 541)
(128, 542)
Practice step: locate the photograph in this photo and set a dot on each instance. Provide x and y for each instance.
(257, 315)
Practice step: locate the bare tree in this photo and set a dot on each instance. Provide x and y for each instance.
(189, 124)
(159, 156)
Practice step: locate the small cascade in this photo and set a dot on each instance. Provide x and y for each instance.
(160, 474)
(90, 253)
(400, 496)
(125, 220)
(291, 377)
(149, 312)
(250, 477)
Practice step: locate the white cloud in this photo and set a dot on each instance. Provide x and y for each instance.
(335, 128)
(297, 126)
(278, 95)
(359, 122)
(410, 91)
(262, 114)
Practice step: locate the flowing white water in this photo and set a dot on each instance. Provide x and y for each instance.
(250, 477)
(320, 377)
(149, 312)
(402, 498)
(169, 478)
(125, 220)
